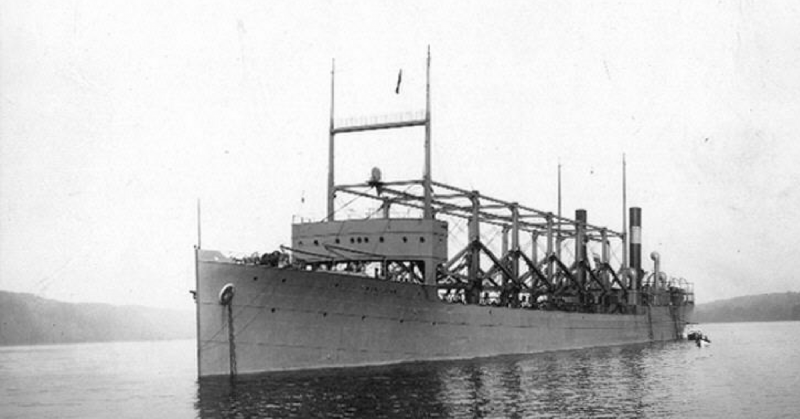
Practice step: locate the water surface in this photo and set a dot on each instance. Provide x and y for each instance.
(749, 370)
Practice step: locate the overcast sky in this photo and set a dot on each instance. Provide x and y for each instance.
(116, 116)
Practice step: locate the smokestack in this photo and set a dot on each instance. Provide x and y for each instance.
(580, 242)
(636, 243)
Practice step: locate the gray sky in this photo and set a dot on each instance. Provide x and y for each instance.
(116, 116)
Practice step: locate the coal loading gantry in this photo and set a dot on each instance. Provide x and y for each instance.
(567, 264)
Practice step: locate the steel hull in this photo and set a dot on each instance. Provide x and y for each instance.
(286, 319)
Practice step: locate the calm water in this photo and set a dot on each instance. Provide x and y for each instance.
(750, 370)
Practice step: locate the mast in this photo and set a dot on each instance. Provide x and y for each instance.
(360, 126)
(426, 180)
(558, 236)
(331, 191)
(624, 220)
(199, 235)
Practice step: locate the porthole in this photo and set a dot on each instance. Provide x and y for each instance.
(316, 242)
(352, 240)
(366, 239)
(405, 239)
(358, 240)
(380, 239)
(422, 239)
(337, 241)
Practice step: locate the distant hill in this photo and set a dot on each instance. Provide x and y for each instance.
(26, 319)
(751, 308)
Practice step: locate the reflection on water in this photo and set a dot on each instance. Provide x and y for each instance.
(378, 392)
(750, 370)
(606, 382)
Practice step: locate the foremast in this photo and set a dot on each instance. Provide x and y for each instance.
(390, 123)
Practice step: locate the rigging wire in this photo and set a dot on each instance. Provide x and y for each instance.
(340, 208)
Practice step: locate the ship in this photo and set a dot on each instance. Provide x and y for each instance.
(385, 288)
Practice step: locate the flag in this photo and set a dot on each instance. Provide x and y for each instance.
(399, 79)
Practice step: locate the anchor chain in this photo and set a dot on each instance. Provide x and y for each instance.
(226, 299)
(231, 341)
